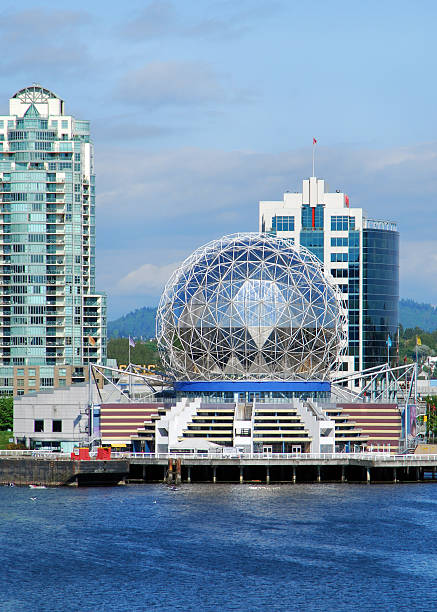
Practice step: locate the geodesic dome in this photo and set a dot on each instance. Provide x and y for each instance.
(250, 307)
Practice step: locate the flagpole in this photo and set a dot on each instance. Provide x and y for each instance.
(388, 365)
(314, 147)
(130, 378)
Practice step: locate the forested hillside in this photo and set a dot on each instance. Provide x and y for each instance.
(145, 352)
(141, 322)
(413, 314)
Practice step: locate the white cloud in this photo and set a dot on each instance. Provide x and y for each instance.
(217, 21)
(147, 279)
(36, 39)
(418, 270)
(173, 183)
(161, 83)
(180, 199)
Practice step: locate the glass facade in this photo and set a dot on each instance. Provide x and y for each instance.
(342, 223)
(282, 223)
(353, 291)
(380, 295)
(314, 242)
(312, 217)
(47, 237)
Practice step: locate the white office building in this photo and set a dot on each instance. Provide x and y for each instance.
(362, 255)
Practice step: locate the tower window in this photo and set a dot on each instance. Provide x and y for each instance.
(340, 223)
(283, 223)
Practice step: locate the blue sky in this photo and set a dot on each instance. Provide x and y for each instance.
(200, 109)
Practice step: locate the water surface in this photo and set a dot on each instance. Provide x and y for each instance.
(219, 547)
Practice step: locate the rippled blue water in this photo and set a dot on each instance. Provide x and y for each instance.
(207, 547)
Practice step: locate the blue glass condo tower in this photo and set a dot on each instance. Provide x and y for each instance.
(52, 321)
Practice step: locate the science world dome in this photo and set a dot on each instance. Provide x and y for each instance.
(250, 307)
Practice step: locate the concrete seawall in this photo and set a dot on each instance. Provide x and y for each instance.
(57, 472)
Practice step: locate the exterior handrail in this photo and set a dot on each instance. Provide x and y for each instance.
(380, 456)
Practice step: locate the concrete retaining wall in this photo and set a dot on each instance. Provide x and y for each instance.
(29, 470)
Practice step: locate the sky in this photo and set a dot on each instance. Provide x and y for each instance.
(201, 108)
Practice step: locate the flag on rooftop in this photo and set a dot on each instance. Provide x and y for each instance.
(91, 340)
(131, 342)
(388, 342)
(314, 141)
(418, 341)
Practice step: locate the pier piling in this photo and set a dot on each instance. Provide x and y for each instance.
(178, 478)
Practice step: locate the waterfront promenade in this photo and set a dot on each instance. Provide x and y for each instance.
(29, 467)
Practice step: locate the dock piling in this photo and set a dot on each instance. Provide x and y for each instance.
(178, 478)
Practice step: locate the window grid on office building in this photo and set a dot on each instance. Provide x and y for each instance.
(341, 223)
(283, 223)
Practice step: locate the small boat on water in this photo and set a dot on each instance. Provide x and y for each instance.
(34, 486)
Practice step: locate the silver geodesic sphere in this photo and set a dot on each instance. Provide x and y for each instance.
(250, 307)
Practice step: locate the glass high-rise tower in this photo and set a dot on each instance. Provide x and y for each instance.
(52, 321)
(362, 255)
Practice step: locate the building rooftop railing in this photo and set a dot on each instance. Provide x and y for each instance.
(388, 226)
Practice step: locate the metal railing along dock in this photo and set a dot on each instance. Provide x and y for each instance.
(380, 456)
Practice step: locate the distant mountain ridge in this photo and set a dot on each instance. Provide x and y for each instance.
(415, 314)
(141, 322)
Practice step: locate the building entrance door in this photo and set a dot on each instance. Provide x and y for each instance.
(296, 449)
(267, 451)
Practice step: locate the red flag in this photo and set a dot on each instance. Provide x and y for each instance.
(405, 359)
(346, 200)
(314, 141)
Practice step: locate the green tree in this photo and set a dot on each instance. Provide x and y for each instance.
(144, 353)
(6, 412)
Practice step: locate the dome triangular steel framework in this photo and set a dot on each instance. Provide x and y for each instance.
(251, 307)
